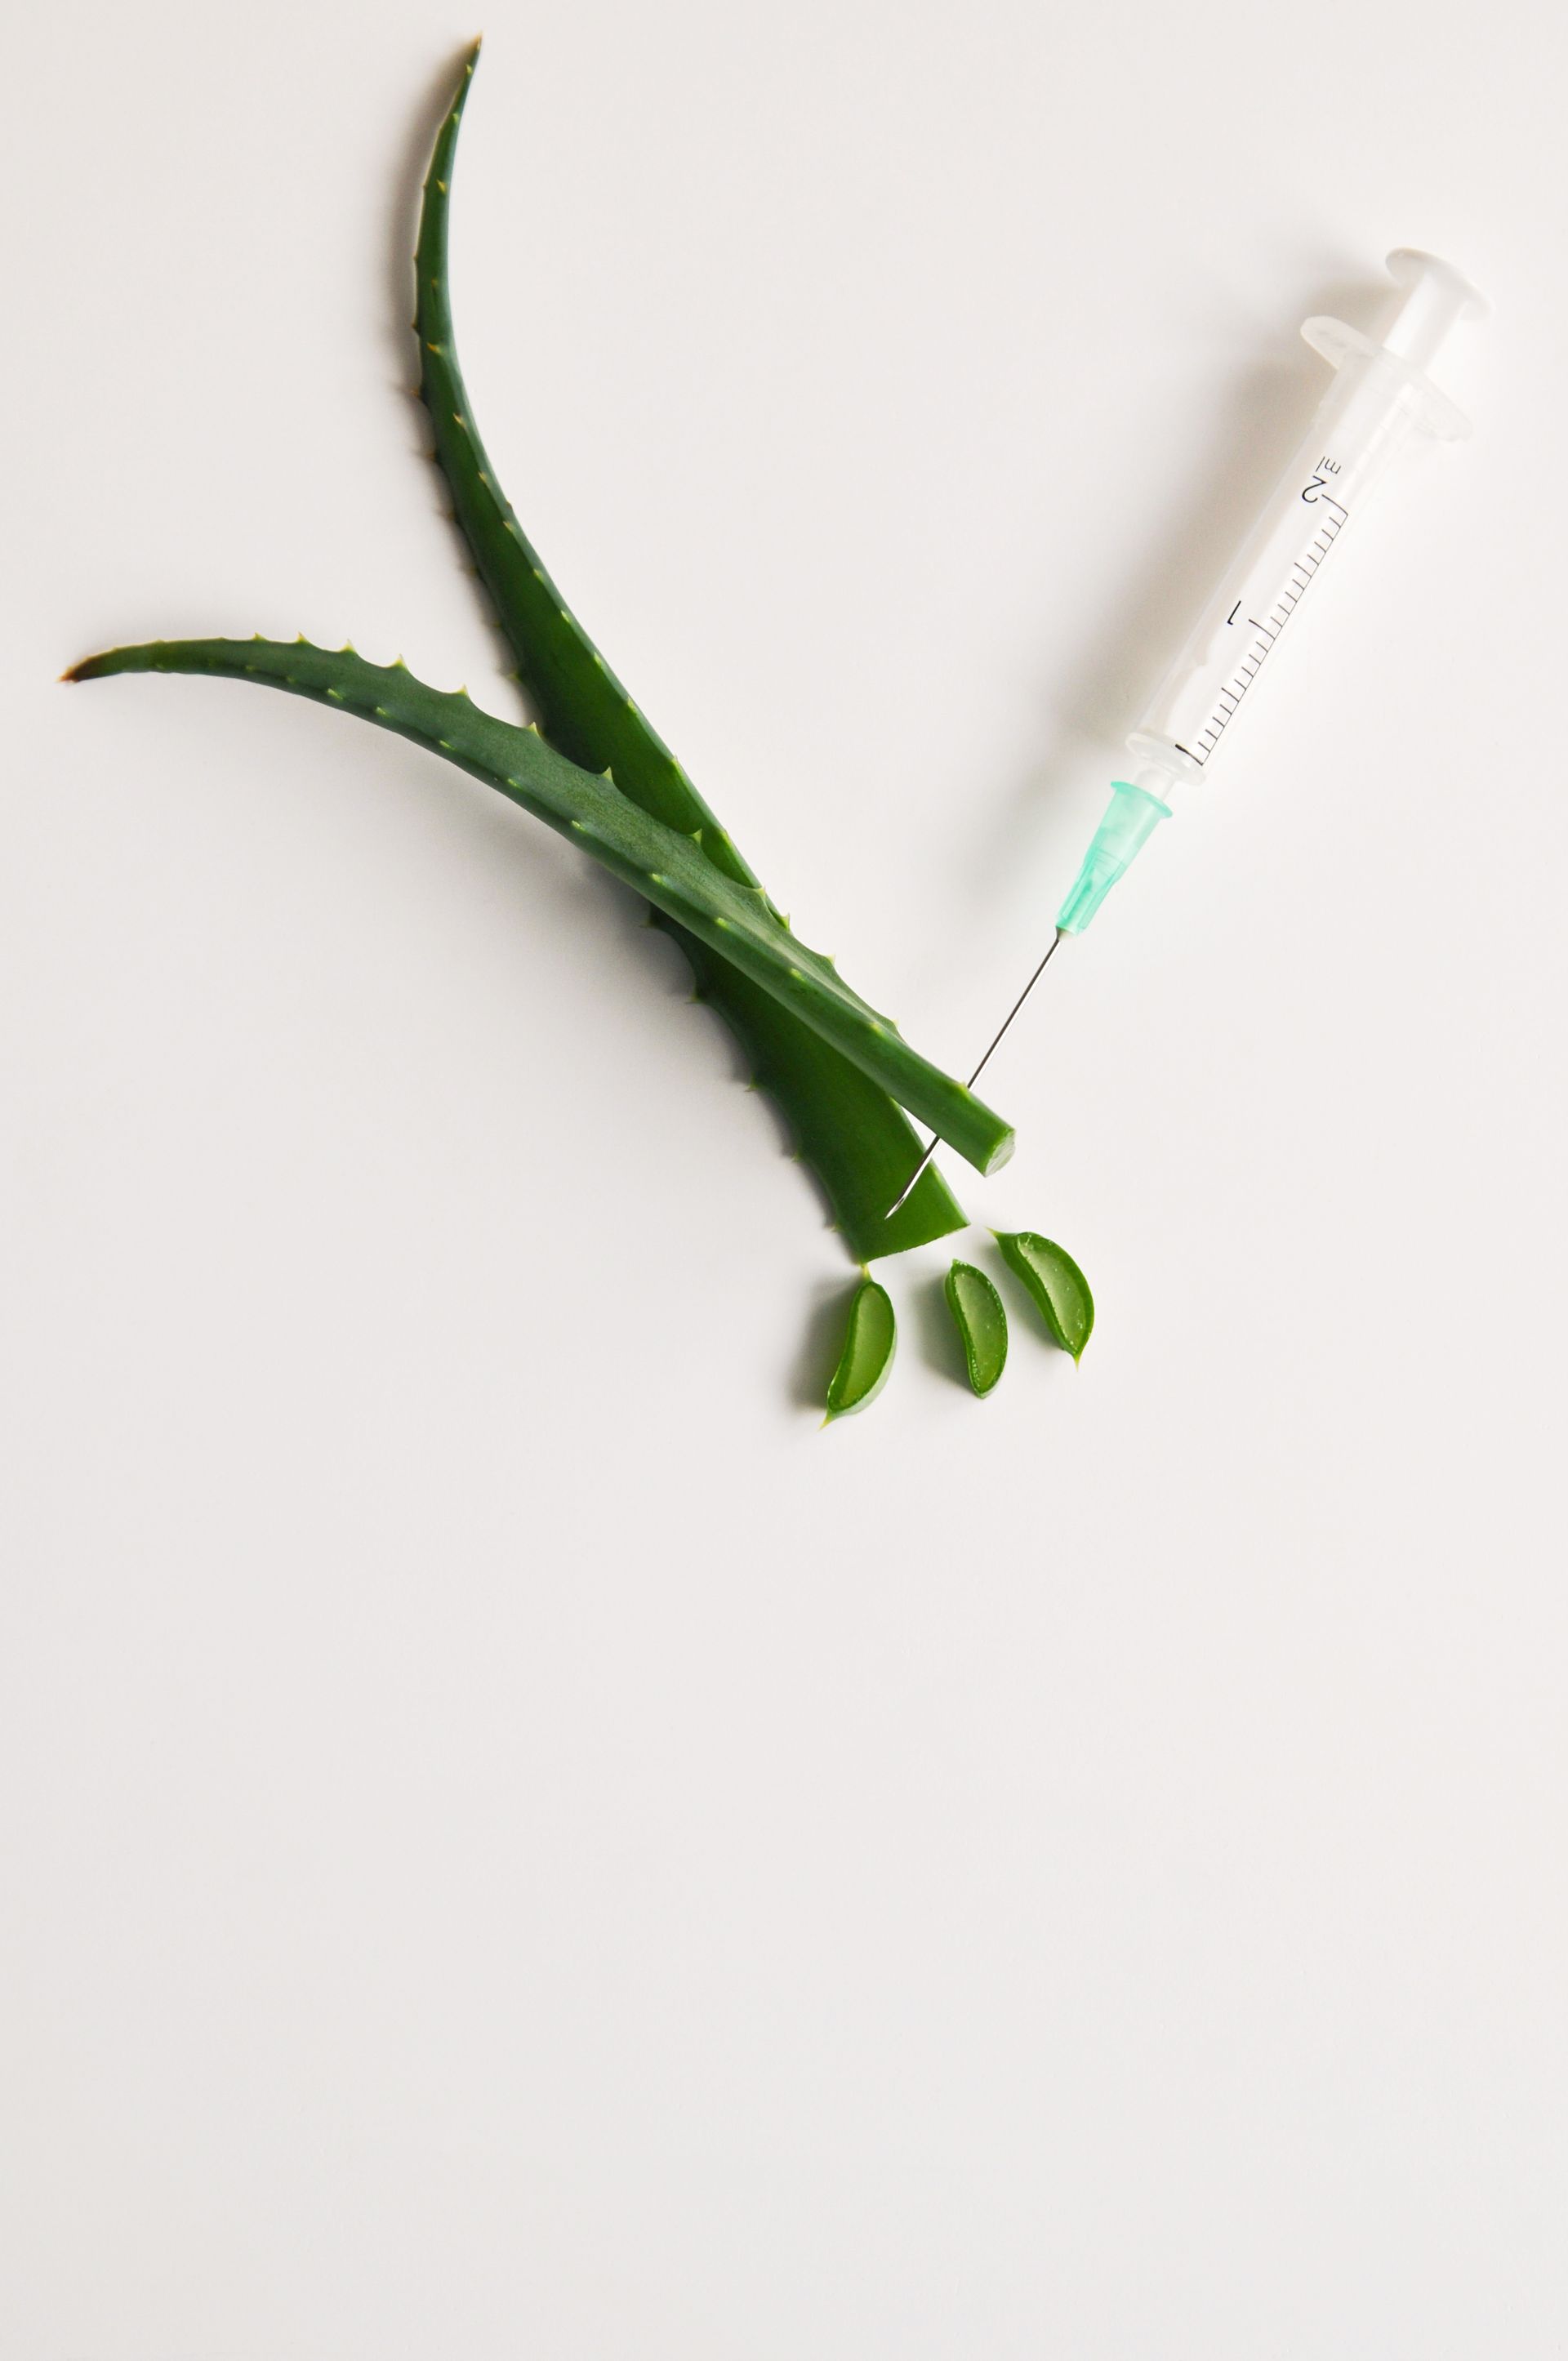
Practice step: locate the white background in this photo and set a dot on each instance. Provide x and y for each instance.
(516, 1843)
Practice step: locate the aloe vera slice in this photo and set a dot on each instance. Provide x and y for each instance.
(981, 1324)
(666, 866)
(869, 1343)
(847, 1130)
(1056, 1283)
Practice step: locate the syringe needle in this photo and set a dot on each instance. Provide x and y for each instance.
(908, 1189)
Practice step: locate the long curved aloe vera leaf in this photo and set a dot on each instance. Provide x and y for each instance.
(848, 1130)
(729, 918)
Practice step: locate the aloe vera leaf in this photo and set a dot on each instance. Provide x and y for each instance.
(848, 1131)
(981, 1324)
(663, 864)
(1055, 1282)
(583, 709)
(870, 1341)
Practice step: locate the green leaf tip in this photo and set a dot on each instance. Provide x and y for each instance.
(1054, 1284)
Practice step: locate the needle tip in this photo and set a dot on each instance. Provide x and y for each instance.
(908, 1189)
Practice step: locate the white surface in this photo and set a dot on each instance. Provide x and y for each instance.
(514, 1842)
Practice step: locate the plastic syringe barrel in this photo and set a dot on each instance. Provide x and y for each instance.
(1380, 398)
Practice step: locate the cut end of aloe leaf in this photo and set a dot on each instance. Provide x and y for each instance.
(1003, 1152)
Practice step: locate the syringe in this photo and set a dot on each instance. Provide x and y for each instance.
(1380, 399)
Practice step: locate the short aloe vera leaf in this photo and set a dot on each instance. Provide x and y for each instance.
(849, 1132)
(870, 1341)
(1055, 1281)
(662, 863)
(981, 1324)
